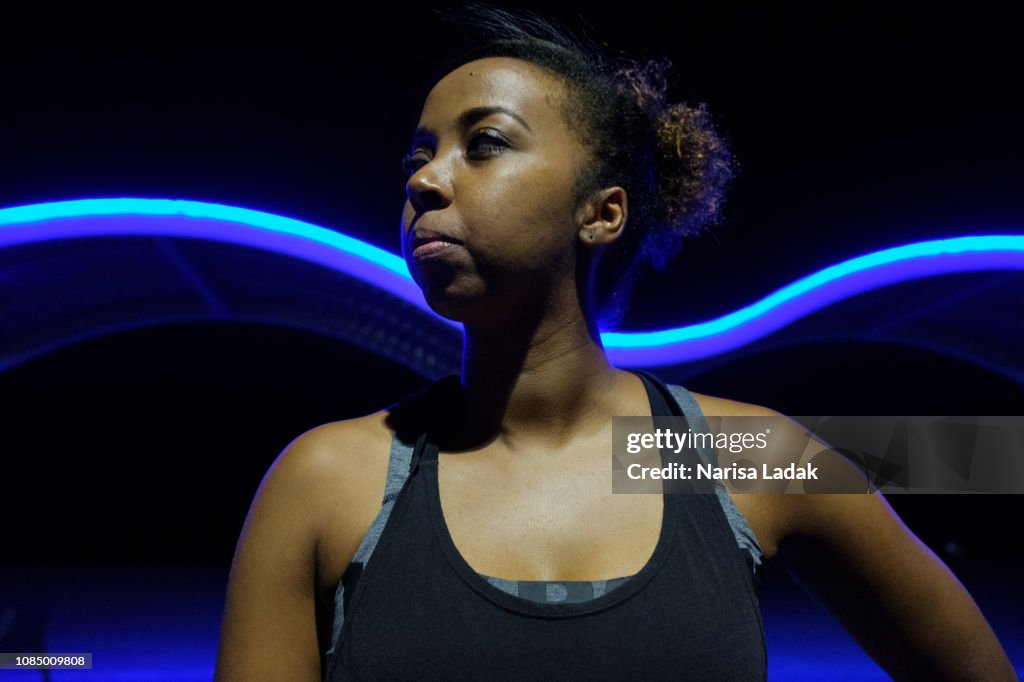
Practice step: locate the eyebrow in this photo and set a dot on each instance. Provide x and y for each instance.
(471, 116)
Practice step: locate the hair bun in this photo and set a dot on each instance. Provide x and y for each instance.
(694, 168)
(693, 164)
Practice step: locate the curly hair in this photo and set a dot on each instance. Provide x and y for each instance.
(668, 157)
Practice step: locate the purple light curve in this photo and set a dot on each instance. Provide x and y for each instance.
(200, 220)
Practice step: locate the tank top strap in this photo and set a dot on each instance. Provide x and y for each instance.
(665, 408)
(424, 448)
(752, 553)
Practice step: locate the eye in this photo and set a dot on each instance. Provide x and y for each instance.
(413, 161)
(485, 144)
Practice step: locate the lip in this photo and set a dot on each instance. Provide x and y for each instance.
(433, 248)
(426, 243)
(420, 236)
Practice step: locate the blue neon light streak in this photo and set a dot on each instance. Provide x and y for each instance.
(180, 218)
(217, 222)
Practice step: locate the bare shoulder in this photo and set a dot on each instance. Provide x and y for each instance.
(332, 463)
(321, 443)
(789, 443)
(344, 450)
(349, 461)
(274, 623)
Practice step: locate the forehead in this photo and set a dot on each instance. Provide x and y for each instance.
(527, 89)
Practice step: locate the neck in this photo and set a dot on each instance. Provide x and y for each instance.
(540, 383)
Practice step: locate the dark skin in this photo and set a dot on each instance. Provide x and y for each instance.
(536, 382)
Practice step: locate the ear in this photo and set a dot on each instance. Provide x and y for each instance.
(602, 217)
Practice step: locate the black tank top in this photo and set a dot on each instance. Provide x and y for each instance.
(420, 612)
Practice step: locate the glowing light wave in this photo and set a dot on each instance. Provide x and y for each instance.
(180, 218)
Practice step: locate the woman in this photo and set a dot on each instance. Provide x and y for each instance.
(542, 176)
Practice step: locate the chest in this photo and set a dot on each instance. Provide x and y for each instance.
(553, 520)
(549, 517)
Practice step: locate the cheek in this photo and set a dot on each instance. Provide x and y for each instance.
(532, 201)
(408, 214)
(407, 217)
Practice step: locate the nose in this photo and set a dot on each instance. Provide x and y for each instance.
(427, 189)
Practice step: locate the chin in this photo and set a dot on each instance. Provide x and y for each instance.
(465, 309)
(452, 306)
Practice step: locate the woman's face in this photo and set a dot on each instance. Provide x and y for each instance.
(493, 164)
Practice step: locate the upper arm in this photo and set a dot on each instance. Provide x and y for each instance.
(851, 551)
(888, 590)
(269, 626)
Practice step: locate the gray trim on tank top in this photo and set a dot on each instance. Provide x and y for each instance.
(740, 528)
(542, 590)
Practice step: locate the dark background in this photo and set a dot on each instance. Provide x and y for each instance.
(856, 129)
